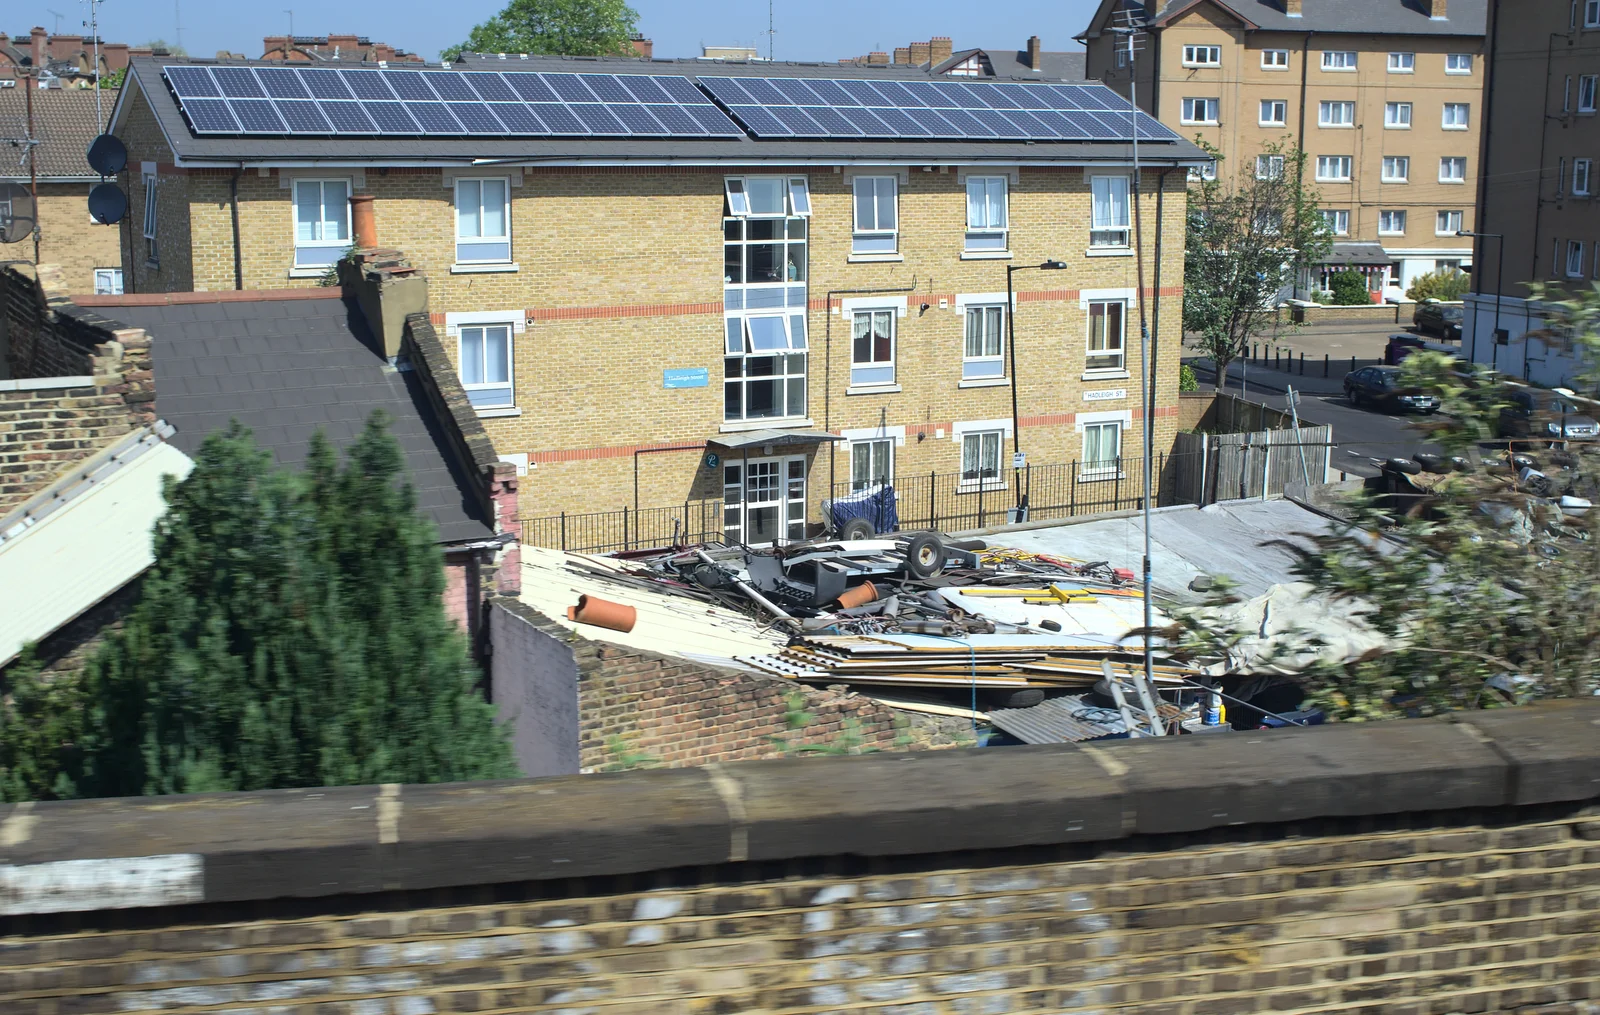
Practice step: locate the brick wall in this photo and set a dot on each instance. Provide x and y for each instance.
(73, 241)
(1050, 880)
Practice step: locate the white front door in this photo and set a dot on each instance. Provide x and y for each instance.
(764, 500)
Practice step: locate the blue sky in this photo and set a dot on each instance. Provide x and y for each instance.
(819, 30)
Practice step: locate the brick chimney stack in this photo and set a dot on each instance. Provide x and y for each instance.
(1437, 9)
(1035, 51)
(36, 45)
(643, 48)
(902, 54)
(1292, 8)
(940, 47)
(919, 53)
(877, 58)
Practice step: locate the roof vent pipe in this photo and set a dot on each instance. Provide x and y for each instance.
(363, 221)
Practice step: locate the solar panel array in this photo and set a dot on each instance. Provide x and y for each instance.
(969, 111)
(308, 100)
(403, 103)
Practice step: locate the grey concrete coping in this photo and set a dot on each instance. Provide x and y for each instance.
(230, 847)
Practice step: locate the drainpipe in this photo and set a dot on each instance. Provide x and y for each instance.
(238, 256)
(1300, 163)
(1544, 131)
(1482, 213)
(827, 370)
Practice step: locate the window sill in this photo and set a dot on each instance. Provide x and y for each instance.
(873, 389)
(1468, 128)
(1101, 476)
(1108, 252)
(987, 486)
(504, 410)
(775, 423)
(309, 272)
(874, 258)
(153, 265)
(484, 269)
(1105, 375)
(1399, 126)
(986, 382)
(1454, 183)
(986, 255)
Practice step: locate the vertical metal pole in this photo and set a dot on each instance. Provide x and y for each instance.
(33, 163)
(563, 531)
(933, 500)
(1016, 382)
(1146, 368)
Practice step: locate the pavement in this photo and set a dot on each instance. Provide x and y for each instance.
(1361, 435)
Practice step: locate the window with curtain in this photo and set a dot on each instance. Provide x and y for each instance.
(483, 221)
(485, 352)
(876, 215)
(1102, 448)
(980, 457)
(872, 347)
(1110, 219)
(986, 213)
(871, 464)
(1105, 334)
(983, 353)
(321, 222)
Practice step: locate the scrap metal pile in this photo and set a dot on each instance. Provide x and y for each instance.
(916, 609)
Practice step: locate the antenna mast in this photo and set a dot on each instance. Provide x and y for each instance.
(772, 30)
(94, 30)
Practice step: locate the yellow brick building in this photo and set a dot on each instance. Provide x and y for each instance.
(627, 312)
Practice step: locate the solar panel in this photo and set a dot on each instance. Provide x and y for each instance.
(911, 109)
(340, 101)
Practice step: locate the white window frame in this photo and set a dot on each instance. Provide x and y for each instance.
(984, 366)
(1109, 234)
(108, 282)
(1341, 165)
(1269, 167)
(872, 236)
(792, 360)
(1205, 171)
(1591, 14)
(1454, 221)
(1340, 60)
(151, 217)
(1588, 84)
(482, 394)
(1450, 161)
(1326, 113)
(1122, 420)
(1463, 109)
(1337, 221)
(979, 436)
(1451, 58)
(321, 244)
(1574, 258)
(492, 248)
(1392, 222)
(1274, 59)
(790, 504)
(1108, 360)
(1402, 63)
(1401, 162)
(1274, 112)
(870, 448)
(1582, 177)
(983, 234)
(1203, 111)
(873, 372)
(1397, 116)
(1199, 55)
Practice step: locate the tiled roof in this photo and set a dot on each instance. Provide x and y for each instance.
(286, 368)
(1364, 17)
(1013, 63)
(63, 120)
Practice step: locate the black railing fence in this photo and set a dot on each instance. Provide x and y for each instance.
(627, 529)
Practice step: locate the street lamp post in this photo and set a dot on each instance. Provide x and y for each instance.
(1499, 273)
(1011, 356)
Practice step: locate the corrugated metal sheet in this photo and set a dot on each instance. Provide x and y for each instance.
(1064, 720)
(83, 538)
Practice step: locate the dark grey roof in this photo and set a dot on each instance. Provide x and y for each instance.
(145, 73)
(287, 368)
(1363, 17)
(1013, 63)
(63, 121)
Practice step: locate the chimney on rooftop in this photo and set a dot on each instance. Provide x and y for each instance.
(1436, 9)
(1034, 52)
(36, 45)
(877, 57)
(643, 48)
(940, 48)
(902, 54)
(1292, 8)
(919, 52)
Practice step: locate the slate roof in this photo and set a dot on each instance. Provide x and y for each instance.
(1363, 17)
(63, 120)
(288, 367)
(1013, 63)
(190, 148)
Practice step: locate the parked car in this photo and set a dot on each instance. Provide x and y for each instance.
(1436, 318)
(1541, 414)
(1380, 388)
(1401, 346)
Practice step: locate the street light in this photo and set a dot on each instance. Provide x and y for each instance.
(1499, 273)
(1011, 353)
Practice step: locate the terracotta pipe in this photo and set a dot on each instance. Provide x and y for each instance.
(603, 613)
(363, 221)
(861, 595)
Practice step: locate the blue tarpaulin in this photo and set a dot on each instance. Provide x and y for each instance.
(876, 504)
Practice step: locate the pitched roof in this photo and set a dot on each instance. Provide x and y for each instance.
(192, 149)
(286, 368)
(1013, 63)
(63, 121)
(1365, 17)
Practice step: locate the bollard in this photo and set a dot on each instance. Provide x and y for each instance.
(1352, 364)
(1302, 364)
(1326, 365)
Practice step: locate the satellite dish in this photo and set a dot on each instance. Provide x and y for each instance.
(16, 213)
(107, 156)
(107, 203)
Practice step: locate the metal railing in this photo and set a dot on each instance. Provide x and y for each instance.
(627, 529)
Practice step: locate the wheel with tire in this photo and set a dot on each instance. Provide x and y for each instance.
(1025, 699)
(924, 555)
(1352, 396)
(857, 528)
